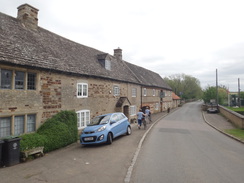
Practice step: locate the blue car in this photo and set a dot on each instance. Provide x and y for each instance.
(104, 128)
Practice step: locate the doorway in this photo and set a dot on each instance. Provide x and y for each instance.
(126, 111)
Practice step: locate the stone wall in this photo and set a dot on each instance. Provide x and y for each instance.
(57, 91)
(234, 117)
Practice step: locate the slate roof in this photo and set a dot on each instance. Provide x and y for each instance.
(147, 77)
(43, 49)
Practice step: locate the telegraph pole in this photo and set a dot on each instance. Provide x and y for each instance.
(239, 93)
(217, 93)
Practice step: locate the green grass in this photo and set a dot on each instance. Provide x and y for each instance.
(239, 133)
(241, 109)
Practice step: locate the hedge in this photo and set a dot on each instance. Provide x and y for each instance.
(58, 131)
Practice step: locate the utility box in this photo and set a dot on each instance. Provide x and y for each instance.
(11, 151)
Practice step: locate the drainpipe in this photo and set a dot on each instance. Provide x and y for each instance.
(141, 96)
(217, 91)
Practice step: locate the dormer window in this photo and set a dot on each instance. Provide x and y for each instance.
(108, 65)
(105, 61)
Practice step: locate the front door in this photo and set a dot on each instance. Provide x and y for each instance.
(126, 111)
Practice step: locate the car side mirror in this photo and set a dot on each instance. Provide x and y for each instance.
(112, 121)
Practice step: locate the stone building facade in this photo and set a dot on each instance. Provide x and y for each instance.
(42, 73)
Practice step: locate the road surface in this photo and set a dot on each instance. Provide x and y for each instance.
(182, 148)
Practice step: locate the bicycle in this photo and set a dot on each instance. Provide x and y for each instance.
(149, 119)
(144, 122)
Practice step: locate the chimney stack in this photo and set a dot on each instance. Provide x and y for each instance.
(28, 16)
(118, 53)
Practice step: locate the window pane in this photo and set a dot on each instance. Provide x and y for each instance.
(5, 127)
(107, 64)
(157, 106)
(31, 81)
(82, 119)
(116, 90)
(6, 78)
(133, 92)
(78, 120)
(84, 90)
(31, 123)
(79, 90)
(87, 117)
(132, 110)
(19, 80)
(18, 125)
(145, 92)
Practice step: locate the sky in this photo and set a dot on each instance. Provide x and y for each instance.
(169, 37)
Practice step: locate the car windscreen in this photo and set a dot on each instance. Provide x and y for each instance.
(100, 120)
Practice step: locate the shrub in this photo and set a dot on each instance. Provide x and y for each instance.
(32, 140)
(58, 131)
(70, 119)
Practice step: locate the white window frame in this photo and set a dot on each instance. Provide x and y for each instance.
(144, 92)
(154, 92)
(132, 110)
(134, 91)
(82, 90)
(83, 122)
(116, 90)
(157, 106)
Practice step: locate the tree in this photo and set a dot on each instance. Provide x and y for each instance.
(242, 95)
(210, 93)
(187, 87)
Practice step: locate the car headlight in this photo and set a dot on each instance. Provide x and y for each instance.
(101, 128)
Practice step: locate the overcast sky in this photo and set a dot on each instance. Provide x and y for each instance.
(193, 37)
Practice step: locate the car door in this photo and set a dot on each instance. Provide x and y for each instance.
(123, 123)
(115, 125)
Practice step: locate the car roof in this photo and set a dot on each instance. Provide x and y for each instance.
(110, 114)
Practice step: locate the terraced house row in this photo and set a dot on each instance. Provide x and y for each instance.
(42, 73)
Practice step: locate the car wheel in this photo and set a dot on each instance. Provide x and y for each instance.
(110, 139)
(128, 130)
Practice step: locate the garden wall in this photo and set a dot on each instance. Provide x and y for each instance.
(235, 118)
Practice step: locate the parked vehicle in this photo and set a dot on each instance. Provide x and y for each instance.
(104, 128)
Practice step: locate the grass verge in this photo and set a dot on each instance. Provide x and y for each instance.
(239, 133)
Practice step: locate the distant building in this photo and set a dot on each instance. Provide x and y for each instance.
(233, 99)
(176, 100)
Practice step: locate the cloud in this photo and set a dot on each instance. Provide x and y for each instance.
(167, 37)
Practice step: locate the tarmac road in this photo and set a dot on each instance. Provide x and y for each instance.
(182, 148)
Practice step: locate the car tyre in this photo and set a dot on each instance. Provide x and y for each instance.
(109, 139)
(128, 130)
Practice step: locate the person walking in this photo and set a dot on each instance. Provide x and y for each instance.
(148, 115)
(168, 110)
(140, 117)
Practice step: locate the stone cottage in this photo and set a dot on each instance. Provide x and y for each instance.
(42, 73)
